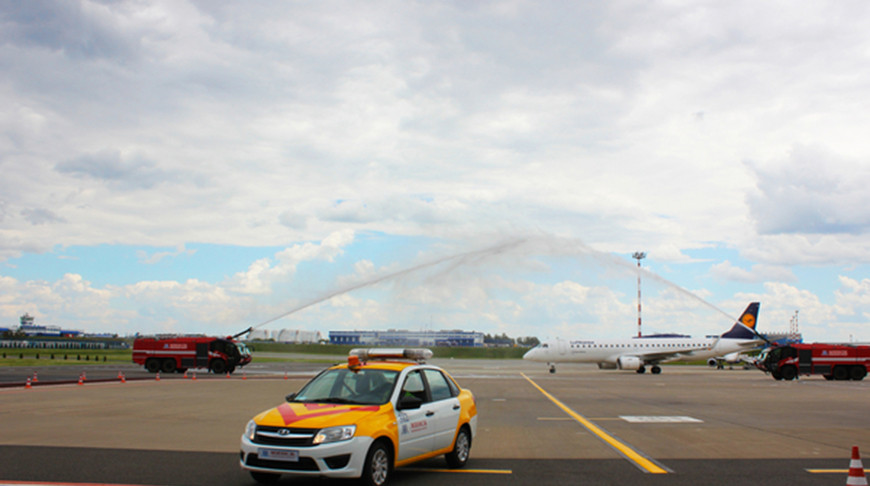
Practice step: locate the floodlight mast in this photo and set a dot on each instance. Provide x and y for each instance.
(638, 255)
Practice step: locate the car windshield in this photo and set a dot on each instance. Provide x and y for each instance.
(364, 386)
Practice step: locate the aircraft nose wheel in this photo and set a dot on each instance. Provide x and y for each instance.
(552, 368)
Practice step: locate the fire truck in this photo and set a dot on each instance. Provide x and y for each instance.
(179, 353)
(833, 361)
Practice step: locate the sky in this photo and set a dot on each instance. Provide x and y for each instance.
(205, 166)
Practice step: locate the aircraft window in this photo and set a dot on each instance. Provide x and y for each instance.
(545, 346)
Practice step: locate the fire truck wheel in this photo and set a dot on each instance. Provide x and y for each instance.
(841, 373)
(152, 365)
(789, 373)
(168, 366)
(218, 366)
(858, 373)
(265, 478)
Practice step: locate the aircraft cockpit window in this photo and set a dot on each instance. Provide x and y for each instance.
(545, 346)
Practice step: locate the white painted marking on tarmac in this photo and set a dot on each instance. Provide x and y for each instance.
(659, 419)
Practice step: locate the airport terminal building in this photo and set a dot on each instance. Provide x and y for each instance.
(403, 338)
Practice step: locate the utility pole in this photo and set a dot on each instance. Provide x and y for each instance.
(638, 255)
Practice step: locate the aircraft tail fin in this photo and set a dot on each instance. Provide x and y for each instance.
(744, 328)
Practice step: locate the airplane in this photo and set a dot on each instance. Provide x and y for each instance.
(639, 352)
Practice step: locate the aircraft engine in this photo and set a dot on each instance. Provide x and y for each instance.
(629, 362)
(713, 362)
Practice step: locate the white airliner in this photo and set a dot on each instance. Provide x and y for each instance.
(637, 353)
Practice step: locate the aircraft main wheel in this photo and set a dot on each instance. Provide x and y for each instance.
(641, 370)
(656, 369)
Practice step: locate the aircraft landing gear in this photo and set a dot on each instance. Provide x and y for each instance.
(552, 368)
(641, 370)
(656, 369)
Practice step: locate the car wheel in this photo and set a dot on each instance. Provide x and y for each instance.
(459, 455)
(265, 478)
(376, 471)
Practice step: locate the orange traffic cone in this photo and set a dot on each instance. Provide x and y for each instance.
(228, 374)
(35, 377)
(185, 373)
(81, 380)
(856, 470)
(123, 378)
(194, 376)
(27, 385)
(285, 375)
(157, 377)
(120, 375)
(84, 376)
(244, 375)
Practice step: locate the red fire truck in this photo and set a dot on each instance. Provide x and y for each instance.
(178, 353)
(833, 361)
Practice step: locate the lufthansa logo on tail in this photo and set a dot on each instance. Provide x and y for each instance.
(749, 321)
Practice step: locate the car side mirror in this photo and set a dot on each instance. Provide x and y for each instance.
(290, 397)
(410, 402)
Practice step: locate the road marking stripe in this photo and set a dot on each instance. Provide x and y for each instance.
(831, 471)
(460, 471)
(626, 451)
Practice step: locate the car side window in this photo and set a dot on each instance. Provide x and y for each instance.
(438, 385)
(414, 386)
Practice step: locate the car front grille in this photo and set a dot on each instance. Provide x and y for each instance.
(284, 436)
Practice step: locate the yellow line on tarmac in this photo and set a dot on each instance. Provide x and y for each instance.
(628, 452)
(461, 471)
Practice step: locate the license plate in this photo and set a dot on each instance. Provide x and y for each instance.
(278, 455)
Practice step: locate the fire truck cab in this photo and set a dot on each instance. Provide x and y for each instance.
(178, 354)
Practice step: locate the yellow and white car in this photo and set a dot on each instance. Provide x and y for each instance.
(385, 408)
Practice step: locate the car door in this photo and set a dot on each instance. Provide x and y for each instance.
(415, 431)
(444, 407)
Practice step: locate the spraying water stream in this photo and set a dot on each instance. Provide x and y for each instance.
(538, 245)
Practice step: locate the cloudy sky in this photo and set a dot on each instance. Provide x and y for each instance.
(205, 166)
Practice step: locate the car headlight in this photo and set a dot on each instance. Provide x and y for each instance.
(251, 430)
(334, 434)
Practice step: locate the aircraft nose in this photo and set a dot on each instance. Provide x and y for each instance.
(530, 354)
